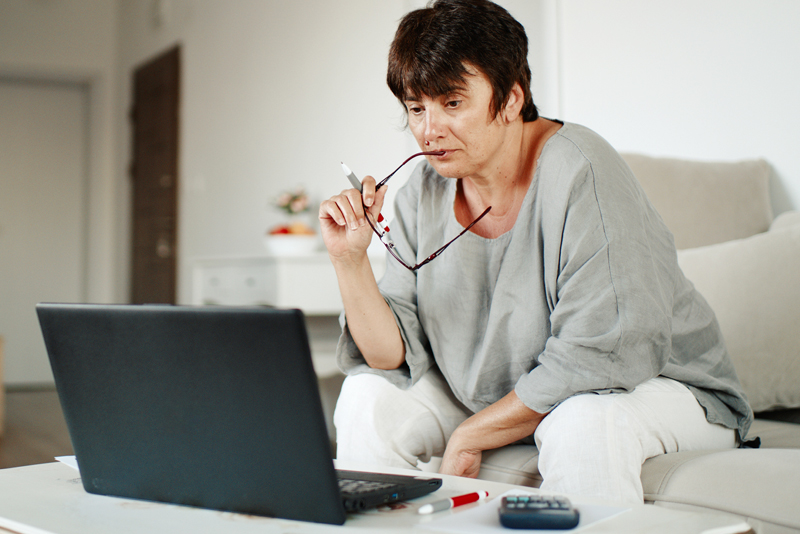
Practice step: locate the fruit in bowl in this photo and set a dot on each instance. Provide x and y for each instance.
(295, 228)
(291, 240)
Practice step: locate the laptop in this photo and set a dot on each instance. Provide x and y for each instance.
(204, 406)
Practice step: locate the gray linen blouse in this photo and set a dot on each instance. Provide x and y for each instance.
(583, 294)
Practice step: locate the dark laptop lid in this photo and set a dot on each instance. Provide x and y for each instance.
(205, 406)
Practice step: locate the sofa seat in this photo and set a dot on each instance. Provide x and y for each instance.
(760, 486)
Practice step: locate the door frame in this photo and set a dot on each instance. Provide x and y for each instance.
(27, 366)
(105, 273)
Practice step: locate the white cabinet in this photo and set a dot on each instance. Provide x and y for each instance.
(307, 282)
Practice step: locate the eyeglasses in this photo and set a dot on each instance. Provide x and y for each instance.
(383, 234)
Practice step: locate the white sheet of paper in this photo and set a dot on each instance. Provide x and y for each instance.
(68, 460)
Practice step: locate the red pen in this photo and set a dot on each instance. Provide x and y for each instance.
(446, 504)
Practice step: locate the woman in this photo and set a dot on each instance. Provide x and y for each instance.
(560, 316)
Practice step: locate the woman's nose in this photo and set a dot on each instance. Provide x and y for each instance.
(434, 126)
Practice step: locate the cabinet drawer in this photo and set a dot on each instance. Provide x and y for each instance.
(305, 282)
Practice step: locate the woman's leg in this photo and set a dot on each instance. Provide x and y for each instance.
(596, 444)
(380, 424)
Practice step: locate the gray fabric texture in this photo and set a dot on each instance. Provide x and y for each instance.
(584, 294)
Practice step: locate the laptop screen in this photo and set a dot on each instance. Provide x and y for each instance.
(204, 406)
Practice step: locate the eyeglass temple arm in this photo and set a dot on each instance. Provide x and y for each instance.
(464, 231)
(434, 153)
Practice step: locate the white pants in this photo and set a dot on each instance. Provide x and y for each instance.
(589, 444)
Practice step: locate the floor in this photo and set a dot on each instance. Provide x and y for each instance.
(35, 431)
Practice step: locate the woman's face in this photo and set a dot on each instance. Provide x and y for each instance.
(461, 124)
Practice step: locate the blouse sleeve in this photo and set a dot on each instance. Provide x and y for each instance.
(399, 288)
(610, 271)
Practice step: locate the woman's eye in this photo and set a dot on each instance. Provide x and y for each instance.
(454, 103)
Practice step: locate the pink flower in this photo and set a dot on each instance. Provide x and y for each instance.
(293, 203)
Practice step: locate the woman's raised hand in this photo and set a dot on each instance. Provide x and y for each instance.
(343, 223)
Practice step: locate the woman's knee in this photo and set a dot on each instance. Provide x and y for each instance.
(411, 423)
(588, 445)
(357, 396)
(579, 417)
(361, 422)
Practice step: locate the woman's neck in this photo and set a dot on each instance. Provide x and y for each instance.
(504, 189)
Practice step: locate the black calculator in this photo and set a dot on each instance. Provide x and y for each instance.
(538, 512)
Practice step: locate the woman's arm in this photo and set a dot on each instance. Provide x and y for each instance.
(347, 236)
(369, 319)
(504, 422)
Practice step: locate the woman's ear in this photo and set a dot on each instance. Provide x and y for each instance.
(513, 107)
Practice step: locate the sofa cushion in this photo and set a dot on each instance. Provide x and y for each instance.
(704, 203)
(760, 485)
(752, 286)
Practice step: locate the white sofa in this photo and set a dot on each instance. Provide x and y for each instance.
(747, 266)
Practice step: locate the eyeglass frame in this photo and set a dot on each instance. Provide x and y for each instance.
(389, 244)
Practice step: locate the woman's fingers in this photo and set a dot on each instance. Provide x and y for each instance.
(344, 209)
(373, 200)
(368, 191)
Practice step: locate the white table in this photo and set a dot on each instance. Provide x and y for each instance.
(49, 499)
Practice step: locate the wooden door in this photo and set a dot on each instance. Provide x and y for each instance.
(154, 174)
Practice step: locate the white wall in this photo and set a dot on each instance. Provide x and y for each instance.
(275, 94)
(707, 79)
(75, 41)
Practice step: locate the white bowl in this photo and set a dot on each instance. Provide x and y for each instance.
(291, 244)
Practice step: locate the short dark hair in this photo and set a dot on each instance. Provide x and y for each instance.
(433, 47)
